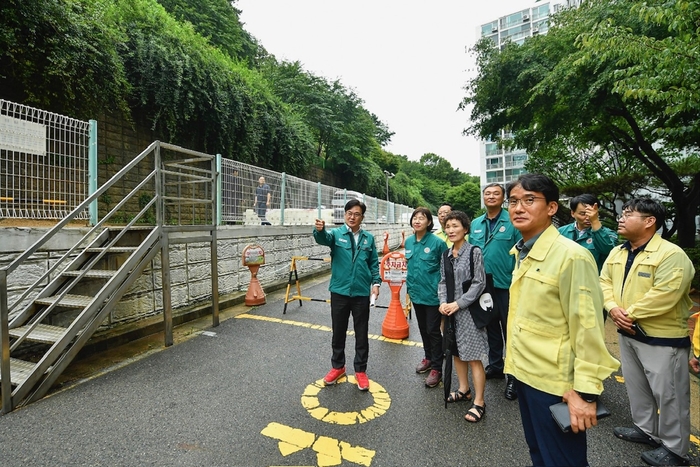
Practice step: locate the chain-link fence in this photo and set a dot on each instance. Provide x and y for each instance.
(46, 168)
(251, 195)
(43, 163)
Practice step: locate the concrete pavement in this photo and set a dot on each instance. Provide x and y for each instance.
(249, 393)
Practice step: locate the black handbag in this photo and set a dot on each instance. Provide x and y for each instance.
(449, 339)
(481, 309)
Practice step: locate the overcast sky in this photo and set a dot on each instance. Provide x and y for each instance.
(405, 59)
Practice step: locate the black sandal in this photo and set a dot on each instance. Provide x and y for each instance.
(459, 396)
(476, 416)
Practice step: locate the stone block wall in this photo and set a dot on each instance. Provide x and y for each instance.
(190, 273)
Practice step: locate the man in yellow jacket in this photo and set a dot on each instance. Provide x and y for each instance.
(646, 282)
(555, 346)
(443, 211)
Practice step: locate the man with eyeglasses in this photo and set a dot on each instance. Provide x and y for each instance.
(354, 275)
(555, 346)
(646, 282)
(495, 235)
(587, 230)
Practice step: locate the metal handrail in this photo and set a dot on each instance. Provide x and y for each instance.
(158, 200)
(80, 242)
(36, 320)
(81, 207)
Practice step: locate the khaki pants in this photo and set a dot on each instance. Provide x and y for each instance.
(658, 385)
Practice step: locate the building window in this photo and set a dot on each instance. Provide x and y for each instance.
(519, 159)
(494, 177)
(494, 163)
(540, 12)
(512, 174)
(492, 149)
(515, 19)
(489, 28)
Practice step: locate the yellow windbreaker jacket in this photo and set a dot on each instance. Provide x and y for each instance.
(655, 293)
(555, 325)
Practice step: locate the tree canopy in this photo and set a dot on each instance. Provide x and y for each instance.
(606, 101)
(189, 71)
(218, 21)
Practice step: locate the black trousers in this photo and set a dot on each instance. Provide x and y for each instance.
(497, 329)
(429, 319)
(549, 446)
(342, 307)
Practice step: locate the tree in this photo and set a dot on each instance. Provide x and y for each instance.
(593, 82)
(465, 197)
(438, 167)
(61, 56)
(131, 58)
(218, 21)
(609, 174)
(347, 135)
(193, 94)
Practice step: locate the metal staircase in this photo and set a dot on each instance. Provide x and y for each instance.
(44, 328)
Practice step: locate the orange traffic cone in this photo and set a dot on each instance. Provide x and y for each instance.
(392, 270)
(395, 325)
(386, 243)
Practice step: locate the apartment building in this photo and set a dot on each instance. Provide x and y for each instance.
(499, 165)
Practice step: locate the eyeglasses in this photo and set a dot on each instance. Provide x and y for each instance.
(527, 201)
(626, 215)
(353, 214)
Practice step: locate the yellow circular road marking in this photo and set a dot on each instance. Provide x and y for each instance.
(380, 398)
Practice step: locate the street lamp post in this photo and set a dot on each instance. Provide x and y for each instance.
(388, 176)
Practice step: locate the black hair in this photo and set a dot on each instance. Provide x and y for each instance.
(491, 185)
(585, 198)
(461, 217)
(649, 207)
(445, 204)
(426, 212)
(355, 202)
(538, 183)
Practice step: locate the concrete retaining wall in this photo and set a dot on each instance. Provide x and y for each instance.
(190, 266)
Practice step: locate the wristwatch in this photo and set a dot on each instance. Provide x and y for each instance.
(588, 397)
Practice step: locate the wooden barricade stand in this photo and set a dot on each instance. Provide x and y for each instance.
(294, 279)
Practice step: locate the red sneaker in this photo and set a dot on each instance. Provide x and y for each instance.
(334, 375)
(423, 366)
(362, 381)
(433, 379)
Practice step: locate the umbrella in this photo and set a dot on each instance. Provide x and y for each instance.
(449, 346)
(449, 338)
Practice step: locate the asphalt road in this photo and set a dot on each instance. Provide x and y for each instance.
(249, 393)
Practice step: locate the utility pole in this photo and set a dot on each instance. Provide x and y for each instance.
(388, 176)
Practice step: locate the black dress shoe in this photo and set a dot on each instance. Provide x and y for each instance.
(511, 392)
(493, 373)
